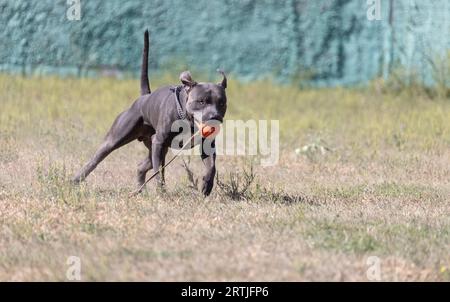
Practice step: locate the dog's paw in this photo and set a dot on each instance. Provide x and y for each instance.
(161, 188)
(75, 181)
(207, 187)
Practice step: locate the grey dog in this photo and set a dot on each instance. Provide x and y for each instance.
(150, 119)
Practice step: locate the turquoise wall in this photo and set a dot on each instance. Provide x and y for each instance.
(330, 42)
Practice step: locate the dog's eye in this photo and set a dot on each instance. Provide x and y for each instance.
(201, 102)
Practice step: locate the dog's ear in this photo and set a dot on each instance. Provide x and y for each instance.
(186, 79)
(224, 80)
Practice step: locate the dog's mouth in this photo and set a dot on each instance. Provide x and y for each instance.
(208, 129)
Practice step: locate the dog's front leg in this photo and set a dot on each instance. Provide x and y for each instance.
(209, 159)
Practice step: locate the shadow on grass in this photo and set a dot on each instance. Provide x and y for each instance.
(283, 198)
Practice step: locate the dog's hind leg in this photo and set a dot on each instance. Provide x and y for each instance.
(125, 129)
(163, 163)
(143, 168)
(146, 165)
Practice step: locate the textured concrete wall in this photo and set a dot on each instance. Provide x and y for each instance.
(330, 42)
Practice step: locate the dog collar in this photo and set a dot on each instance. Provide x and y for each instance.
(180, 112)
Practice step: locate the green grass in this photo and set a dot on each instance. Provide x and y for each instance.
(361, 119)
(370, 177)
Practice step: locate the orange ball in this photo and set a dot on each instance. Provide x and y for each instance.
(208, 131)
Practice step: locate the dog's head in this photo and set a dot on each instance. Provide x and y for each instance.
(206, 102)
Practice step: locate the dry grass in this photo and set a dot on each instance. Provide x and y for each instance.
(372, 178)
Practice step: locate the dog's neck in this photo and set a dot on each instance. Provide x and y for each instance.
(183, 98)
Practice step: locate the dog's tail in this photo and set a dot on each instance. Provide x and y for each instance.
(145, 86)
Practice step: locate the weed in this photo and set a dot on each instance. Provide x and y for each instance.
(236, 186)
(55, 185)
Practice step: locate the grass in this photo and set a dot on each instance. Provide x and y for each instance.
(362, 172)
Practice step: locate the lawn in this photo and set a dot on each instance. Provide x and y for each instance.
(363, 173)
